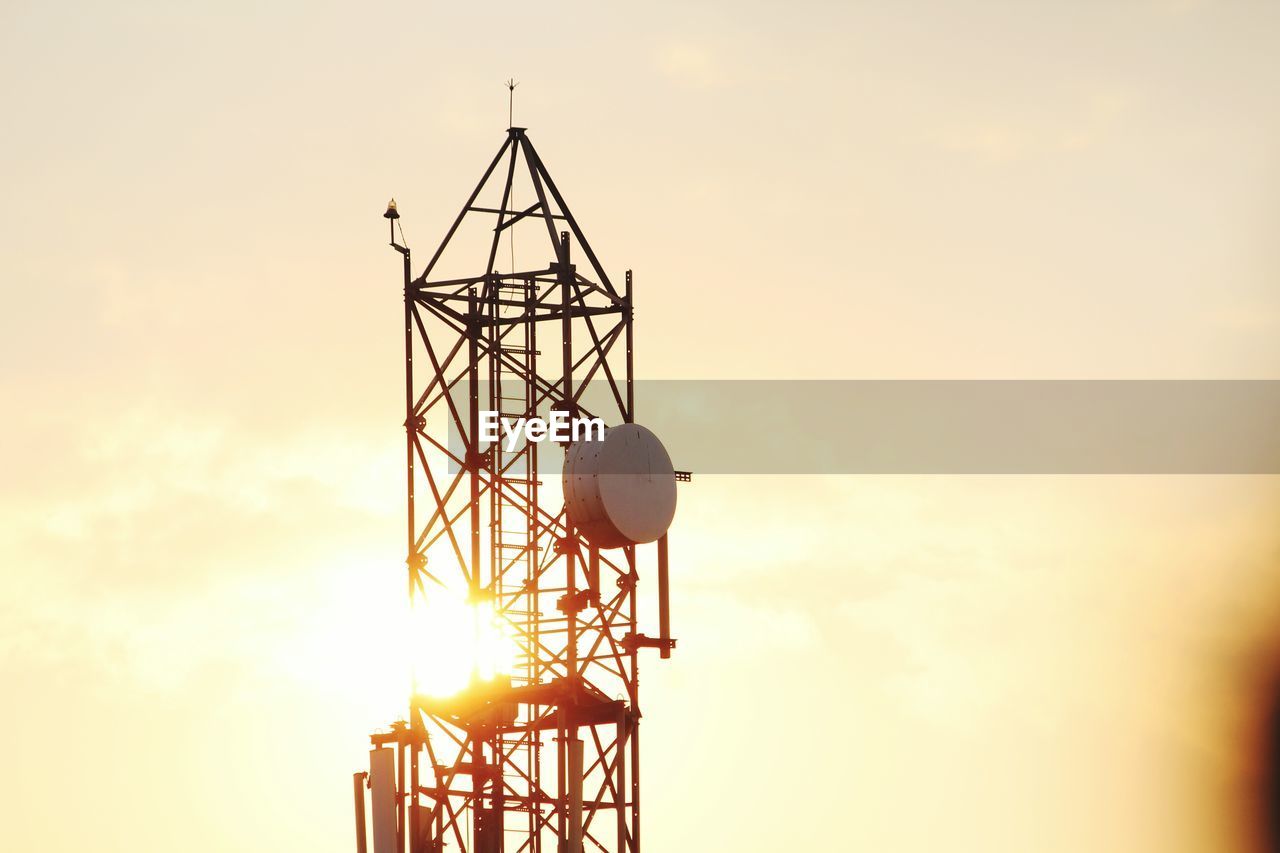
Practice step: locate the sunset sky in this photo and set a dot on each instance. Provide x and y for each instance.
(201, 499)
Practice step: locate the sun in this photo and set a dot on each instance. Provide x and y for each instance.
(362, 632)
(453, 643)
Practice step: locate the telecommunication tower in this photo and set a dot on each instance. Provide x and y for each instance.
(544, 757)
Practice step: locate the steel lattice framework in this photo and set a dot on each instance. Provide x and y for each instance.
(546, 758)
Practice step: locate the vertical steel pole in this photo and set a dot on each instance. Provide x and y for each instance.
(635, 781)
(633, 714)
(531, 583)
(412, 794)
(631, 718)
(473, 464)
(565, 276)
(630, 342)
(593, 572)
(664, 600)
(568, 730)
(562, 799)
(410, 425)
(473, 436)
(411, 555)
(402, 835)
(362, 840)
(574, 752)
(566, 352)
(620, 781)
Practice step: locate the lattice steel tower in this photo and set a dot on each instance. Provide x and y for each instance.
(545, 757)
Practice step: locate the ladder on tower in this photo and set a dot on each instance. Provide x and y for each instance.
(513, 498)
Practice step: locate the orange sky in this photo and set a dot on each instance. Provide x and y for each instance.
(200, 500)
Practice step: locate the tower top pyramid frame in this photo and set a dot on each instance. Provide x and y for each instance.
(549, 208)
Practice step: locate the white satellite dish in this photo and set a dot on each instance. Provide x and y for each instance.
(620, 491)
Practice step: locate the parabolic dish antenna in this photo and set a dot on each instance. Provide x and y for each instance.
(620, 491)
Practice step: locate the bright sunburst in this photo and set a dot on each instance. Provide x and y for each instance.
(453, 642)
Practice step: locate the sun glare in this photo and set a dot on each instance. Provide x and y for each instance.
(454, 643)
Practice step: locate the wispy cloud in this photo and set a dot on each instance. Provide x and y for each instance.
(1087, 123)
(691, 64)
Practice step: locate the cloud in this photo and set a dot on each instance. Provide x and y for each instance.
(1087, 123)
(692, 65)
(152, 498)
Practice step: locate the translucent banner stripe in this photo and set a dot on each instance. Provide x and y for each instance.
(957, 427)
